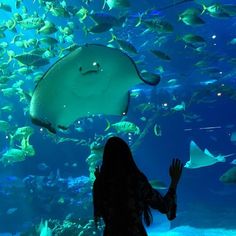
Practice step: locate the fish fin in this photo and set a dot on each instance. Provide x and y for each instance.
(108, 125)
(204, 8)
(139, 19)
(113, 37)
(104, 4)
(10, 58)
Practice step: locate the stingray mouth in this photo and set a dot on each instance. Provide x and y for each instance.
(95, 68)
(89, 72)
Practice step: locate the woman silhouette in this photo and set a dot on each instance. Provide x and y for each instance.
(122, 195)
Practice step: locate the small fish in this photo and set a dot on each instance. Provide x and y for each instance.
(143, 118)
(233, 41)
(180, 107)
(161, 55)
(11, 25)
(159, 26)
(31, 59)
(172, 81)
(4, 126)
(216, 10)
(74, 165)
(59, 10)
(2, 35)
(18, 3)
(10, 211)
(233, 162)
(5, 7)
(8, 108)
(124, 45)
(127, 46)
(48, 41)
(152, 78)
(82, 14)
(193, 39)
(124, 127)
(47, 28)
(12, 155)
(31, 22)
(61, 200)
(190, 17)
(116, 4)
(233, 137)
(42, 166)
(102, 17)
(144, 107)
(201, 63)
(100, 28)
(4, 79)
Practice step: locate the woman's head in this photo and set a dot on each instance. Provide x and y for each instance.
(117, 157)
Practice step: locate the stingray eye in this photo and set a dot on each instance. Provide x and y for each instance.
(96, 64)
(80, 68)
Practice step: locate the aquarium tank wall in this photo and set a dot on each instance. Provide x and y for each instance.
(159, 74)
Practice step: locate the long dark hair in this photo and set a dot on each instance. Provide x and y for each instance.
(117, 162)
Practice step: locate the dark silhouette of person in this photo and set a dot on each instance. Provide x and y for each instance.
(122, 195)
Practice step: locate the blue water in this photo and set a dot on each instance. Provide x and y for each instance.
(54, 183)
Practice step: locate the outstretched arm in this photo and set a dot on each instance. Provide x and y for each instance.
(167, 204)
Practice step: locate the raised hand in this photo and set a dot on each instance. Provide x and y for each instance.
(175, 171)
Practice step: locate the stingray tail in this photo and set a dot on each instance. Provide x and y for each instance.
(230, 155)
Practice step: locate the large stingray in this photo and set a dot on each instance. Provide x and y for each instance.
(199, 158)
(93, 79)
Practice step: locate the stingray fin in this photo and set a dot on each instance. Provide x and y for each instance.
(43, 124)
(230, 155)
(206, 151)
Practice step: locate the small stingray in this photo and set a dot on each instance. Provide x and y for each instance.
(92, 79)
(199, 158)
